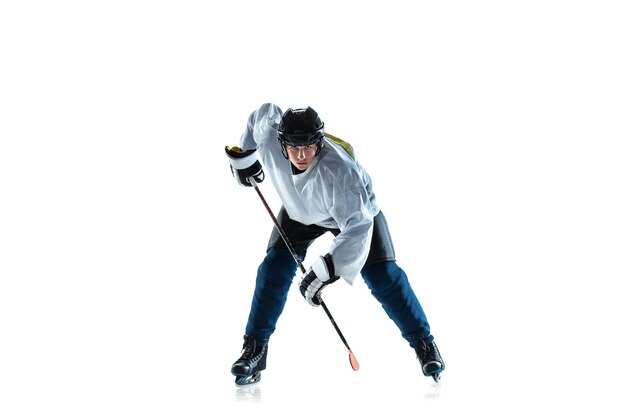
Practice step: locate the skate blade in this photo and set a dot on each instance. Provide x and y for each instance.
(246, 381)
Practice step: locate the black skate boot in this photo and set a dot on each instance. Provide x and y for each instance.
(247, 369)
(430, 359)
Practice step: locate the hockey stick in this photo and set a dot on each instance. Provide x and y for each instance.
(353, 362)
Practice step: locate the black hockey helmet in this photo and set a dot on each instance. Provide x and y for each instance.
(301, 127)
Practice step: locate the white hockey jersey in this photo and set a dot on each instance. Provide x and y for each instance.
(334, 192)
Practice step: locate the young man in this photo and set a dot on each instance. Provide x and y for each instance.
(323, 189)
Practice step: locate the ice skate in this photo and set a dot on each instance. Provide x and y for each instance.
(430, 359)
(241, 381)
(247, 369)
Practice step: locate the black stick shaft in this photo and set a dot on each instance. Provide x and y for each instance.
(280, 229)
(295, 257)
(343, 339)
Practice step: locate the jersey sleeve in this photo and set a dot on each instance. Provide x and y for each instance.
(261, 123)
(353, 213)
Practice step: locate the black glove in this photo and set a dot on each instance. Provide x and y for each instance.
(244, 164)
(321, 274)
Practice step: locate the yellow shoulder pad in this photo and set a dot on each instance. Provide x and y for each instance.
(345, 145)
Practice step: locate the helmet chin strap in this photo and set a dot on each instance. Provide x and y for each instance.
(320, 145)
(283, 149)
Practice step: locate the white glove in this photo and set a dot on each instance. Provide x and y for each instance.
(244, 164)
(321, 274)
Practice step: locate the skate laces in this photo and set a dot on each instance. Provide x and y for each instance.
(427, 351)
(249, 346)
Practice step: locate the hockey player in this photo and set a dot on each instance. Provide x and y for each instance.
(323, 189)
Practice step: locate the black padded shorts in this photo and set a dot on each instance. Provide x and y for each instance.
(301, 236)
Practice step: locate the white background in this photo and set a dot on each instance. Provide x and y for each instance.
(493, 132)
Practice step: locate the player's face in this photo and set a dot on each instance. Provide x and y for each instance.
(302, 156)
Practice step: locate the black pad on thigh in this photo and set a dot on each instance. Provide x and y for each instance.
(381, 249)
(300, 236)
